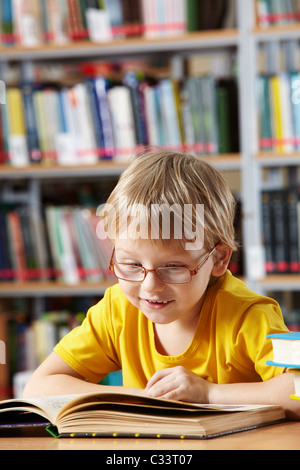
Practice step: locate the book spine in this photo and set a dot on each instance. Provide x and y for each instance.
(18, 151)
(268, 231)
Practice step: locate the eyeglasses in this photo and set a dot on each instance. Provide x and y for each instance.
(169, 275)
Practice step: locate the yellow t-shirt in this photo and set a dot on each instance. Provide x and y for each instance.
(229, 345)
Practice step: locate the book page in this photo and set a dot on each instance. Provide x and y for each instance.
(49, 406)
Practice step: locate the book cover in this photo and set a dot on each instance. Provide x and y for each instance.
(286, 349)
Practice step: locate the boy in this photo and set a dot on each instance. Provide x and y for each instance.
(178, 324)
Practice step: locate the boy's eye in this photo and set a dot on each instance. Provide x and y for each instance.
(175, 266)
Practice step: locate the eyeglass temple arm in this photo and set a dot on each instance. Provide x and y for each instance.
(206, 258)
(111, 267)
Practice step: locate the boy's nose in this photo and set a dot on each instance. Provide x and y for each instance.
(152, 282)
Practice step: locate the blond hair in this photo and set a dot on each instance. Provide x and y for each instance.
(173, 179)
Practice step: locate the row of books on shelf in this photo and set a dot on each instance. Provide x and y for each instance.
(100, 118)
(66, 244)
(279, 112)
(62, 21)
(28, 342)
(62, 245)
(277, 12)
(280, 212)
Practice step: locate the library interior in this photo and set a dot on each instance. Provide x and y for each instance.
(87, 84)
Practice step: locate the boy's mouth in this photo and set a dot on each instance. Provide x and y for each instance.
(157, 303)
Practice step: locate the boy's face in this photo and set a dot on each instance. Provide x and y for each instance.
(182, 302)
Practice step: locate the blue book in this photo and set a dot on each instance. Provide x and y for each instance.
(286, 349)
(96, 117)
(6, 14)
(35, 153)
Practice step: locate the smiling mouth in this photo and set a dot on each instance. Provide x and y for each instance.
(157, 302)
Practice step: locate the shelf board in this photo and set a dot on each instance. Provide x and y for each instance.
(41, 171)
(52, 289)
(266, 159)
(119, 47)
(109, 168)
(281, 282)
(271, 33)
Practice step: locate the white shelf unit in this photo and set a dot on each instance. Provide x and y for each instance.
(34, 175)
(250, 163)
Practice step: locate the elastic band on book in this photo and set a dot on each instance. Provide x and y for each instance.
(52, 430)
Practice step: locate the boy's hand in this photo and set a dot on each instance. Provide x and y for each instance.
(178, 383)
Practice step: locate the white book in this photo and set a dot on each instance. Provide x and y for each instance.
(123, 122)
(57, 10)
(286, 108)
(85, 138)
(98, 25)
(68, 260)
(65, 141)
(149, 15)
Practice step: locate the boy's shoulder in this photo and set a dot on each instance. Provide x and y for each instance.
(230, 289)
(115, 298)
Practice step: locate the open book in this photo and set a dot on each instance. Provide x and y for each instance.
(112, 414)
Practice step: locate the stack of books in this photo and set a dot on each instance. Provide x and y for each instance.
(286, 353)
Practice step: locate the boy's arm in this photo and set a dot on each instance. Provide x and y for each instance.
(275, 391)
(55, 377)
(180, 384)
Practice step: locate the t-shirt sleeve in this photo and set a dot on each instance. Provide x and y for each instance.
(258, 321)
(90, 348)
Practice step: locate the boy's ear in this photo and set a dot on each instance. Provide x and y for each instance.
(221, 260)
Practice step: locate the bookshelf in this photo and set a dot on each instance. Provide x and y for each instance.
(42, 289)
(39, 172)
(129, 46)
(245, 41)
(178, 46)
